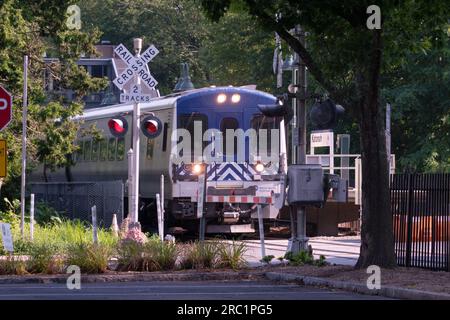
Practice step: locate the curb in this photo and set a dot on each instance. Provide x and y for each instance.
(135, 276)
(385, 291)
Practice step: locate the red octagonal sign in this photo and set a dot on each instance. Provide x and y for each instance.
(5, 108)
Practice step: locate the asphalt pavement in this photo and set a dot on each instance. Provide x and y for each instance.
(175, 290)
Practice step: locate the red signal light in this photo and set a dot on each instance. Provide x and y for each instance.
(151, 126)
(118, 126)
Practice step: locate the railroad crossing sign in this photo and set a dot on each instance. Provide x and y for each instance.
(136, 67)
(5, 108)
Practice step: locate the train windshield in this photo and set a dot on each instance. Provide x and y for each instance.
(229, 123)
(261, 122)
(187, 121)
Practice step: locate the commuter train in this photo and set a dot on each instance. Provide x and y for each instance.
(238, 178)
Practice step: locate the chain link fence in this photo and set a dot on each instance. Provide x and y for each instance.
(74, 200)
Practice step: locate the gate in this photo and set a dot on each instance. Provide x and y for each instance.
(74, 200)
(420, 205)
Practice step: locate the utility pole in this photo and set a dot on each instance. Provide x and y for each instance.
(24, 144)
(301, 150)
(298, 240)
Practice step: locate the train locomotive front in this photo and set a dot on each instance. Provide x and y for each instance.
(220, 131)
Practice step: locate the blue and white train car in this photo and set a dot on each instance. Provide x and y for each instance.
(235, 184)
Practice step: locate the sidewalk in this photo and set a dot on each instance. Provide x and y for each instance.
(337, 250)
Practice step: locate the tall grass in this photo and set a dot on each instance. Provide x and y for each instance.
(231, 255)
(198, 255)
(90, 257)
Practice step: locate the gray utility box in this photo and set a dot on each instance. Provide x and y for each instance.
(305, 184)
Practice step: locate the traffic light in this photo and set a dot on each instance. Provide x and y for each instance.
(118, 126)
(151, 126)
(324, 114)
(279, 109)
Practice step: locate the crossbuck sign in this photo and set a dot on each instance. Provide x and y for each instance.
(136, 68)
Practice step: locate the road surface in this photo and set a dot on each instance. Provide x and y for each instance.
(176, 290)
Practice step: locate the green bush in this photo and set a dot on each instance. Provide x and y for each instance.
(231, 255)
(13, 265)
(46, 215)
(44, 258)
(165, 253)
(304, 257)
(133, 256)
(267, 259)
(91, 258)
(199, 255)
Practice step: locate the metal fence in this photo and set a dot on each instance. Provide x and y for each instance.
(420, 205)
(74, 200)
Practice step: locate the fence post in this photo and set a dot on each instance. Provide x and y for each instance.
(261, 232)
(32, 216)
(409, 220)
(158, 210)
(94, 223)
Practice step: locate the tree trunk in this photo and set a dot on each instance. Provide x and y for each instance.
(377, 241)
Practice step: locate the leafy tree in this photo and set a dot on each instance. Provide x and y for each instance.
(347, 60)
(234, 51)
(34, 29)
(419, 93)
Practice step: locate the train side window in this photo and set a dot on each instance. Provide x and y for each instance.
(261, 122)
(94, 156)
(80, 152)
(120, 149)
(87, 150)
(150, 147)
(164, 144)
(103, 153)
(112, 149)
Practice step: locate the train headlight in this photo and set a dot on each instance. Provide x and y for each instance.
(235, 98)
(197, 168)
(259, 167)
(221, 98)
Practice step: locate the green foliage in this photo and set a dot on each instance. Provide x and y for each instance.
(267, 259)
(90, 257)
(43, 258)
(12, 265)
(11, 214)
(165, 253)
(199, 255)
(131, 257)
(46, 215)
(231, 255)
(235, 51)
(304, 257)
(34, 29)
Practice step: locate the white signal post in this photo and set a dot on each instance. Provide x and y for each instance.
(137, 43)
(136, 70)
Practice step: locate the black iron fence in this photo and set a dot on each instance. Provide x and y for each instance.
(420, 205)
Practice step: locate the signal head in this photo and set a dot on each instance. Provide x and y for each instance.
(118, 126)
(151, 127)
